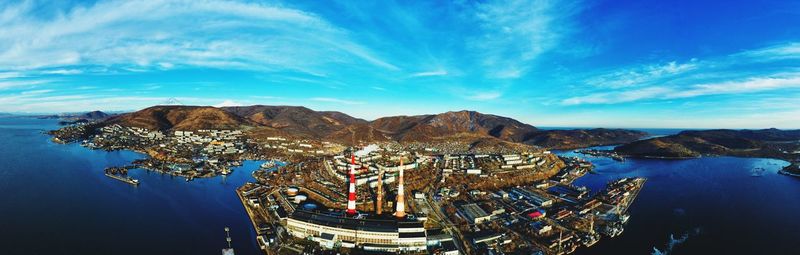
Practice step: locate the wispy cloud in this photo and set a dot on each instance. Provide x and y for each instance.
(735, 74)
(642, 75)
(510, 39)
(7, 75)
(155, 35)
(430, 73)
(336, 101)
(751, 85)
(37, 92)
(6, 84)
(63, 71)
(484, 96)
(789, 50)
(51, 102)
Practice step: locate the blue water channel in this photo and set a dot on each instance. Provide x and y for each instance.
(710, 205)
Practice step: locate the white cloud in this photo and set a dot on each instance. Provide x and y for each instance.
(8, 75)
(790, 50)
(735, 74)
(514, 33)
(21, 83)
(732, 87)
(430, 73)
(37, 92)
(45, 103)
(142, 35)
(227, 103)
(484, 96)
(63, 71)
(336, 100)
(642, 75)
(751, 85)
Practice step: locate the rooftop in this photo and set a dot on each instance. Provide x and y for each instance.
(345, 222)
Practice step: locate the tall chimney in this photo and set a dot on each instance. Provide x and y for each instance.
(351, 201)
(401, 201)
(379, 208)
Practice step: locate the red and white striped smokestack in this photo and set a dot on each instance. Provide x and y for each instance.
(401, 200)
(351, 201)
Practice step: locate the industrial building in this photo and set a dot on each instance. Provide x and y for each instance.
(376, 235)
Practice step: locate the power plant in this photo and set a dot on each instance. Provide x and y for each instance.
(353, 229)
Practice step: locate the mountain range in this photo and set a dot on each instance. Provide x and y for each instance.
(302, 122)
(93, 115)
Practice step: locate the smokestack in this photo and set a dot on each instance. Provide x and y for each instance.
(401, 201)
(379, 208)
(351, 201)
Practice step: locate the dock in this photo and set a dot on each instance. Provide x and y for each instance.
(127, 180)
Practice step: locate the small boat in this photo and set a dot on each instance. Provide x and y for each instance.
(268, 164)
(612, 231)
(624, 218)
(590, 240)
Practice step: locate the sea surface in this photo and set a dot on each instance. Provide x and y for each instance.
(56, 200)
(710, 205)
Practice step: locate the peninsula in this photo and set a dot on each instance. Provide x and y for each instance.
(764, 143)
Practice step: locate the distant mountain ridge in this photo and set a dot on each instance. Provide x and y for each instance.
(421, 127)
(719, 142)
(302, 122)
(92, 115)
(175, 117)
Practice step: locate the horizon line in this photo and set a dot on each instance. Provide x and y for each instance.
(545, 126)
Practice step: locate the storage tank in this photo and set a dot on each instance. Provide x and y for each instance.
(310, 206)
(300, 198)
(292, 191)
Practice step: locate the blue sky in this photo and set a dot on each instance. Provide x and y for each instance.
(672, 64)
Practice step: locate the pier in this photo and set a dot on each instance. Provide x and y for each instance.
(127, 180)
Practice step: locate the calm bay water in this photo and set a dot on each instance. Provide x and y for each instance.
(55, 200)
(709, 206)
